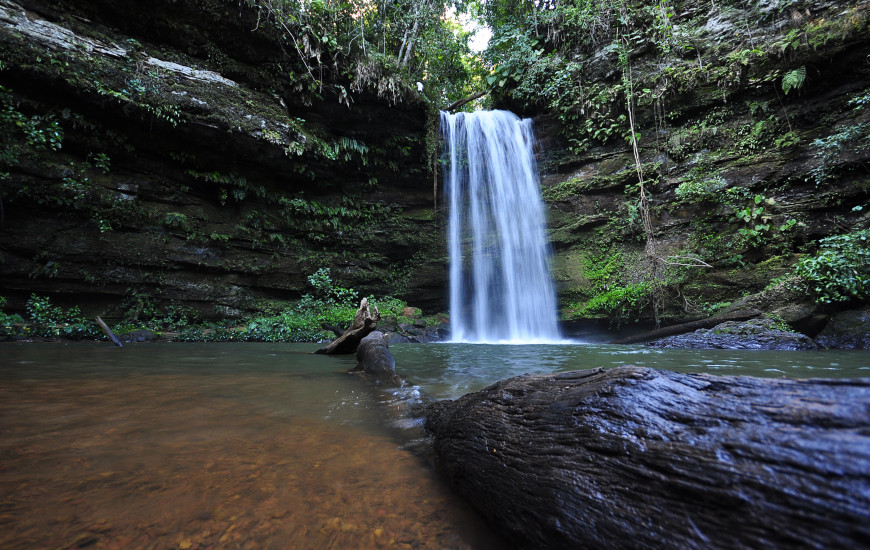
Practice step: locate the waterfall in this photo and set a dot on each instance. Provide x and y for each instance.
(500, 283)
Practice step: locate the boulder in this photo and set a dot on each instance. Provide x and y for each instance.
(753, 334)
(637, 458)
(847, 330)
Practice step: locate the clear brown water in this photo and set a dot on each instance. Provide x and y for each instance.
(211, 446)
(265, 445)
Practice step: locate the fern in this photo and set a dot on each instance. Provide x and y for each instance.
(794, 79)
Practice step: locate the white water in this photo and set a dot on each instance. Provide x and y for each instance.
(501, 289)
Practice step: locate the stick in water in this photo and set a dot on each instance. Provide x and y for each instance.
(109, 333)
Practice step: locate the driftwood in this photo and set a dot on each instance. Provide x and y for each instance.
(109, 333)
(364, 322)
(683, 328)
(637, 458)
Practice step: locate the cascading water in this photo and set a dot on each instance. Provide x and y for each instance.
(500, 284)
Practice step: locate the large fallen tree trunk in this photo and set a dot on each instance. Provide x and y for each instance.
(376, 361)
(364, 322)
(683, 328)
(637, 458)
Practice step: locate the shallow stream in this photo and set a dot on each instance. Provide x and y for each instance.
(264, 445)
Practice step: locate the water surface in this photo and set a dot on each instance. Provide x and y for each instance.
(266, 445)
(211, 446)
(451, 370)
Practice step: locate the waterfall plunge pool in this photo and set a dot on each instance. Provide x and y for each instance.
(265, 445)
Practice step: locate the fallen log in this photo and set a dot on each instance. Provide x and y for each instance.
(376, 360)
(459, 103)
(683, 328)
(637, 458)
(364, 322)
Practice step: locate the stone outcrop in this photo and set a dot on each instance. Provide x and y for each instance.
(847, 330)
(740, 174)
(193, 167)
(752, 334)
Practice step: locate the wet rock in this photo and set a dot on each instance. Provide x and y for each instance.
(637, 458)
(752, 334)
(143, 335)
(847, 330)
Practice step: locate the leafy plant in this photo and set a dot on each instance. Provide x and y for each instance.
(793, 80)
(621, 303)
(10, 324)
(840, 271)
(47, 320)
(327, 292)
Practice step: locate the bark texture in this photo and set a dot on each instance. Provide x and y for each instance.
(637, 458)
(376, 361)
(364, 322)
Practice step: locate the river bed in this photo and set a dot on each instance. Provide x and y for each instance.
(264, 445)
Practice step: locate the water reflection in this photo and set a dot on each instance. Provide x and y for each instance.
(451, 370)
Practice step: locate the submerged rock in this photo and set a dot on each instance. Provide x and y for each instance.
(752, 334)
(847, 330)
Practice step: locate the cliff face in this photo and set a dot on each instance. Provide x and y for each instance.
(753, 124)
(179, 152)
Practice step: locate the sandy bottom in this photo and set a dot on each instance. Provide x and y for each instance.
(169, 462)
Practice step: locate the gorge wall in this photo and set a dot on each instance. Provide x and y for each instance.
(179, 153)
(753, 125)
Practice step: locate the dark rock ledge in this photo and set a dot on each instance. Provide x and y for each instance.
(753, 334)
(637, 458)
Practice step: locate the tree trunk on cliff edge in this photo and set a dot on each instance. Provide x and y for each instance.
(364, 322)
(637, 458)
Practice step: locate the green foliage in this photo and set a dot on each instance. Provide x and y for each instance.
(385, 47)
(830, 148)
(176, 220)
(621, 303)
(327, 305)
(20, 132)
(840, 271)
(794, 79)
(701, 183)
(46, 320)
(327, 292)
(10, 324)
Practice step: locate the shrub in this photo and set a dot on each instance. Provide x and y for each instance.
(840, 271)
(620, 303)
(47, 320)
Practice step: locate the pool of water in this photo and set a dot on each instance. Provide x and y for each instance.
(211, 446)
(451, 370)
(266, 445)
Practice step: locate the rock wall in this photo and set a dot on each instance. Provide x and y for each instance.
(745, 171)
(178, 153)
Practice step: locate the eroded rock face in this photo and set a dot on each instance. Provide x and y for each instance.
(713, 142)
(192, 169)
(637, 458)
(752, 334)
(847, 330)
